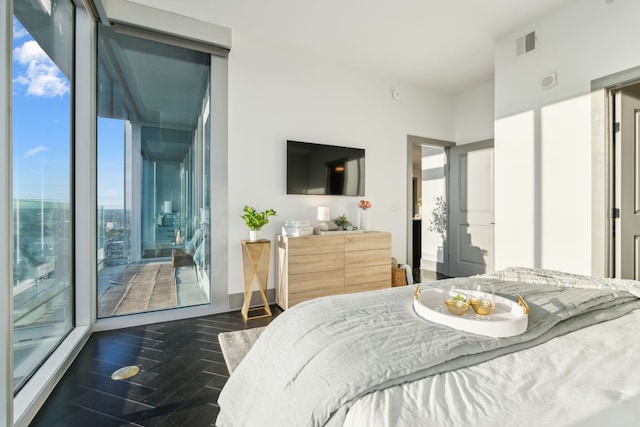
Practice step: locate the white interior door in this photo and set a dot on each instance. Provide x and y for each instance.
(471, 215)
(627, 185)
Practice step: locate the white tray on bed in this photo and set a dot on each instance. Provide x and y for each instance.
(507, 319)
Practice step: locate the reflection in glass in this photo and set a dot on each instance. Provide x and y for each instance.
(153, 175)
(41, 167)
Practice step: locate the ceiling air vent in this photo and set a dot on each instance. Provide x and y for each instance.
(526, 43)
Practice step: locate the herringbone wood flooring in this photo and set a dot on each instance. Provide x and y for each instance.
(182, 371)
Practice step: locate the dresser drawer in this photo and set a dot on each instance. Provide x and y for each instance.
(367, 258)
(326, 280)
(378, 273)
(305, 296)
(316, 263)
(365, 241)
(307, 245)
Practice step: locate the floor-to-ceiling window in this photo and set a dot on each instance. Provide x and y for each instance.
(153, 175)
(42, 88)
(48, 191)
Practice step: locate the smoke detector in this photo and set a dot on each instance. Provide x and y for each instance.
(548, 80)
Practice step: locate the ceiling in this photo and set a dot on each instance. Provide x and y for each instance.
(446, 45)
(152, 84)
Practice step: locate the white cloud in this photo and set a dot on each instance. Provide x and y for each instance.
(18, 30)
(42, 77)
(36, 150)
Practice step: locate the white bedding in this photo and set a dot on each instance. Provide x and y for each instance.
(562, 382)
(340, 359)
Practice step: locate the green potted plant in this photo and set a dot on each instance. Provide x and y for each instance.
(256, 220)
(342, 222)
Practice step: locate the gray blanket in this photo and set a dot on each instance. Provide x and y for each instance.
(318, 357)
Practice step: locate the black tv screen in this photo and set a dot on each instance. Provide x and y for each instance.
(324, 169)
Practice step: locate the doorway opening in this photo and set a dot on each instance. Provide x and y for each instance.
(429, 191)
(451, 230)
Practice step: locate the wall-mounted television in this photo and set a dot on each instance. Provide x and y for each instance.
(324, 169)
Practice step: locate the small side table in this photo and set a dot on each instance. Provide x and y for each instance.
(256, 257)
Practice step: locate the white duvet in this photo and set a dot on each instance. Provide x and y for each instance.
(367, 360)
(562, 382)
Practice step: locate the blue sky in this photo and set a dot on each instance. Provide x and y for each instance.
(42, 130)
(111, 163)
(41, 123)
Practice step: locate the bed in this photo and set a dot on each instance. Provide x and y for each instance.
(368, 360)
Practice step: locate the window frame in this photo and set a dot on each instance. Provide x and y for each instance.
(6, 263)
(23, 406)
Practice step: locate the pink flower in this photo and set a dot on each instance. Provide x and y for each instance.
(364, 204)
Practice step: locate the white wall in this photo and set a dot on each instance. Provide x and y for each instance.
(543, 136)
(275, 95)
(474, 114)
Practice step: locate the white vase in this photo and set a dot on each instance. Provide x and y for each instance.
(255, 235)
(364, 220)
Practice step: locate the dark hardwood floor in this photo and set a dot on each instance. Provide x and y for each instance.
(182, 371)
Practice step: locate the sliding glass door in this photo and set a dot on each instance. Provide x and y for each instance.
(42, 88)
(153, 175)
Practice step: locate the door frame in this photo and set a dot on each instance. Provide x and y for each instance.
(602, 167)
(624, 258)
(413, 140)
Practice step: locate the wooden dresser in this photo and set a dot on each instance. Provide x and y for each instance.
(314, 266)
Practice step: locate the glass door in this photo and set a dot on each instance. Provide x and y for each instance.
(153, 174)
